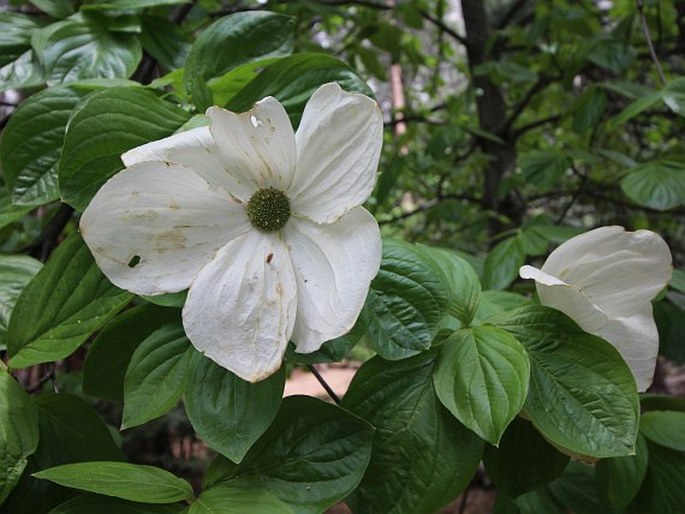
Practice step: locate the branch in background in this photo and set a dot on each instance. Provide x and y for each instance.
(648, 39)
(323, 383)
(540, 85)
(442, 26)
(519, 131)
(362, 3)
(429, 204)
(511, 12)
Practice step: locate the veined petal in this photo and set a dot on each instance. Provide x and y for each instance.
(618, 271)
(566, 298)
(338, 146)
(240, 309)
(637, 339)
(334, 265)
(196, 149)
(154, 225)
(259, 143)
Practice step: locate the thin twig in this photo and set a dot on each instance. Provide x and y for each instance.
(645, 29)
(48, 376)
(442, 26)
(323, 383)
(464, 497)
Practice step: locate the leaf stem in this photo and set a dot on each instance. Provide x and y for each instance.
(324, 384)
(645, 29)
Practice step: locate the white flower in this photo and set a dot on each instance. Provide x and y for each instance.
(605, 280)
(263, 225)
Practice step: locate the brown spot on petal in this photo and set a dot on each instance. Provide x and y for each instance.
(269, 257)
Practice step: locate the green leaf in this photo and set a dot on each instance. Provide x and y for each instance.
(292, 80)
(663, 490)
(482, 378)
(588, 109)
(94, 504)
(461, 280)
(502, 264)
(334, 350)
(406, 303)
(70, 431)
(16, 30)
(619, 479)
(156, 375)
(10, 213)
(670, 321)
(229, 413)
(664, 428)
(422, 457)
(312, 456)
(128, 4)
(107, 124)
(636, 108)
(31, 143)
(611, 54)
(544, 169)
(15, 272)
(524, 461)
(83, 47)
(18, 432)
(495, 302)
(673, 95)
(55, 8)
(145, 484)
(658, 184)
(582, 395)
(234, 497)
(238, 39)
(24, 72)
(61, 307)
(224, 88)
(111, 351)
(165, 41)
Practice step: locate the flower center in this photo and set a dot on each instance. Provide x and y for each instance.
(268, 209)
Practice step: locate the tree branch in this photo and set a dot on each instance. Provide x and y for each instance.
(323, 383)
(442, 26)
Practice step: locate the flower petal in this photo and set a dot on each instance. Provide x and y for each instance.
(153, 226)
(618, 271)
(566, 298)
(637, 339)
(259, 143)
(240, 309)
(195, 148)
(334, 265)
(338, 145)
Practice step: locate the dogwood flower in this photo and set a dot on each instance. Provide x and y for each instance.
(263, 225)
(605, 280)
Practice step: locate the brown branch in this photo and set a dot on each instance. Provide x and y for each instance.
(323, 383)
(517, 110)
(519, 131)
(648, 39)
(442, 26)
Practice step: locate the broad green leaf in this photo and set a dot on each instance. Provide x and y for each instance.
(229, 413)
(422, 457)
(10, 213)
(582, 395)
(238, 39)
(544, 169)
(145, 484)
(234, 497)
(31, 143)
(670, 321)
(482, 379)
(111, 351)
(107, 124)
(649, 402)
(663, 490)
(224, 88)
(666, 428)
(168, 299)
(61, 307)
(15, 272)
(677, 281)
(16, 30)
(576, 489)
(24, 72)
(292, 80)
(84, 47)
(156, 375)
(502, 264)
(334, 350)
(312, 456)
(55, 8)
(165, 41)
(407, 302)
(461, 280)
(524, 461)
(94, 504)
(588, 109)
(18, 432)
(611, 54)
(127, 4)
(619, 479)
(70, 431)
(673, 95)
(636, 108)
(495, 302)
(658, 184)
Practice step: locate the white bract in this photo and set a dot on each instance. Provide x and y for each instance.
(605, 280)
(264, 226)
